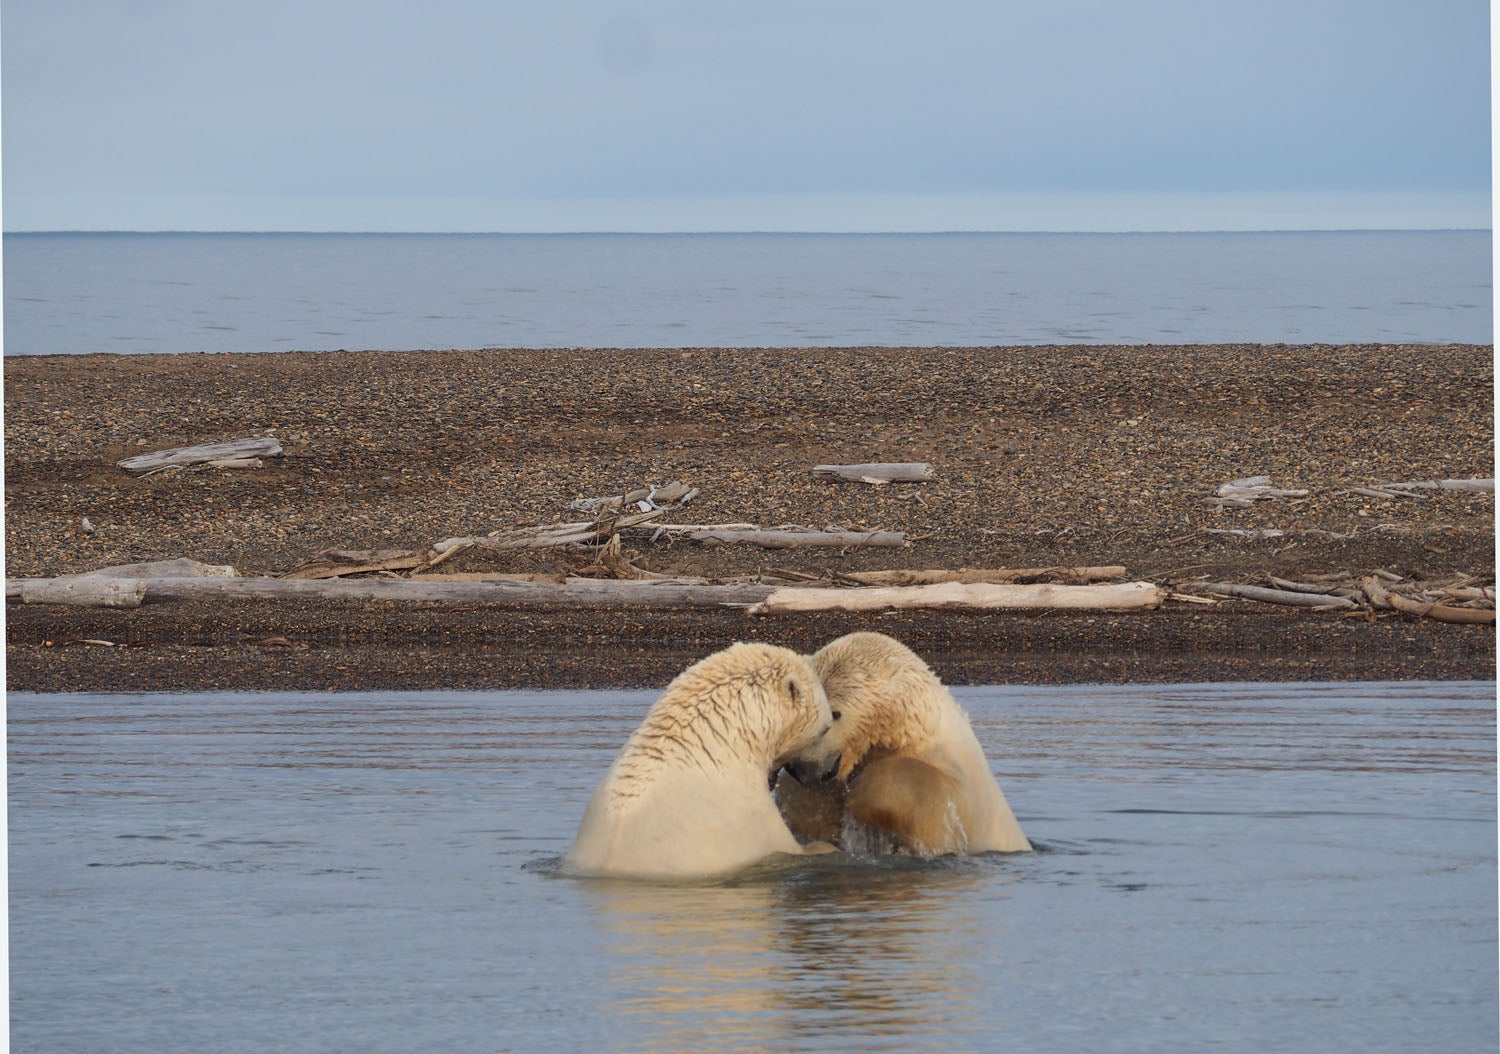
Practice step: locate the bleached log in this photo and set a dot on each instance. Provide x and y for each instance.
(997, 576)
(1468, 593)
(1254, 487)
(181, 457)
(1476, 486)
(1258, 534)
(488, 576)
(87, 591)
(771, 539)
(1276, 596)
(572, 593)
(878, 473)
(982, 596)
(1318, 589)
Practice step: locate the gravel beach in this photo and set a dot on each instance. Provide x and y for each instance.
(1043, 456)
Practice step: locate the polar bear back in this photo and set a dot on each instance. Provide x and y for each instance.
(688, 793)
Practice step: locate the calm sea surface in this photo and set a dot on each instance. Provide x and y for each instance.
(85, 293)
(1220, 867)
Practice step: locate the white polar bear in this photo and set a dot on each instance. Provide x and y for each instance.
(901, 762)
(689, 794)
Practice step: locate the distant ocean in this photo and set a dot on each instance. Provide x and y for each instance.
(79, 294)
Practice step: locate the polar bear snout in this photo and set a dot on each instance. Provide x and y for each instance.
(810, 771)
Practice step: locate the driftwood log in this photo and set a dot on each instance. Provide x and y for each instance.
(1242, 493)
(572, 593)
(997, 576)
(1474, 486)
(1442, 612)
(1288, 597)
(83, 591)
(791, 539)
(878, 473)
(240, 453)
(335, 563)
(985, 596)
(643, 498)
(576, 592)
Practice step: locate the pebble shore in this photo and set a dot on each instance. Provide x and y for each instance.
(1042, 456)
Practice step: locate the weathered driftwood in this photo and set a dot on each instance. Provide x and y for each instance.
(791, 539)
(1316, 588)
(1276, 596)
(985, 596)
(1477, 486)
(182, 457)
(572, 593)
(1375, 590)
(550, 535)
(117, 586)
(85, 591)
(1442, 612)
(643, 498)
(335, 563)
(878, 473)
(1253, 533)
(488, 576)
(1241, 493)
(998, 576)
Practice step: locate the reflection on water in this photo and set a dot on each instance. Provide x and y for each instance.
(799, 951)
(1241, 867)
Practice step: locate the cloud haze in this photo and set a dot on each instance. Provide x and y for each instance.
(821, 114)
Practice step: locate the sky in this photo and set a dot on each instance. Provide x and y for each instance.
(688, 115)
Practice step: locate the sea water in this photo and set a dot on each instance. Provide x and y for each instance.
(1304, 867)
(85, 293)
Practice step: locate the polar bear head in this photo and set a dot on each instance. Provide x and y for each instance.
(883, 698)
(754, 704)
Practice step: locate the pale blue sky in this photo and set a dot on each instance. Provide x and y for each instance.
(766, 115)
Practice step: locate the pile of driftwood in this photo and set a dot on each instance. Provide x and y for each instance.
(768, 594)
(1456, 598)
(610, 579)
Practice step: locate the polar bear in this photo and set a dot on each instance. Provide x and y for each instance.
(901, 767)
(689, 793)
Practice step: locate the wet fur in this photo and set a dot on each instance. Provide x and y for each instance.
(687, 794)
(910, 769)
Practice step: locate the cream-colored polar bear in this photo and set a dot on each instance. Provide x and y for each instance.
(689, 793)
(900, 762)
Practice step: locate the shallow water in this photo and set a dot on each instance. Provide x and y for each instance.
(1238, 867)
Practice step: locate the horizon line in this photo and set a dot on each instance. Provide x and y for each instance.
(747, 231)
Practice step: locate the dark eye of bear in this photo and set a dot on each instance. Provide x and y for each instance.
(837, 715)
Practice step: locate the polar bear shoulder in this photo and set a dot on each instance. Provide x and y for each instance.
(688, 794)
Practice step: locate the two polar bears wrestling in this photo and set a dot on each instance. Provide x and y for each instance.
(882, 756)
